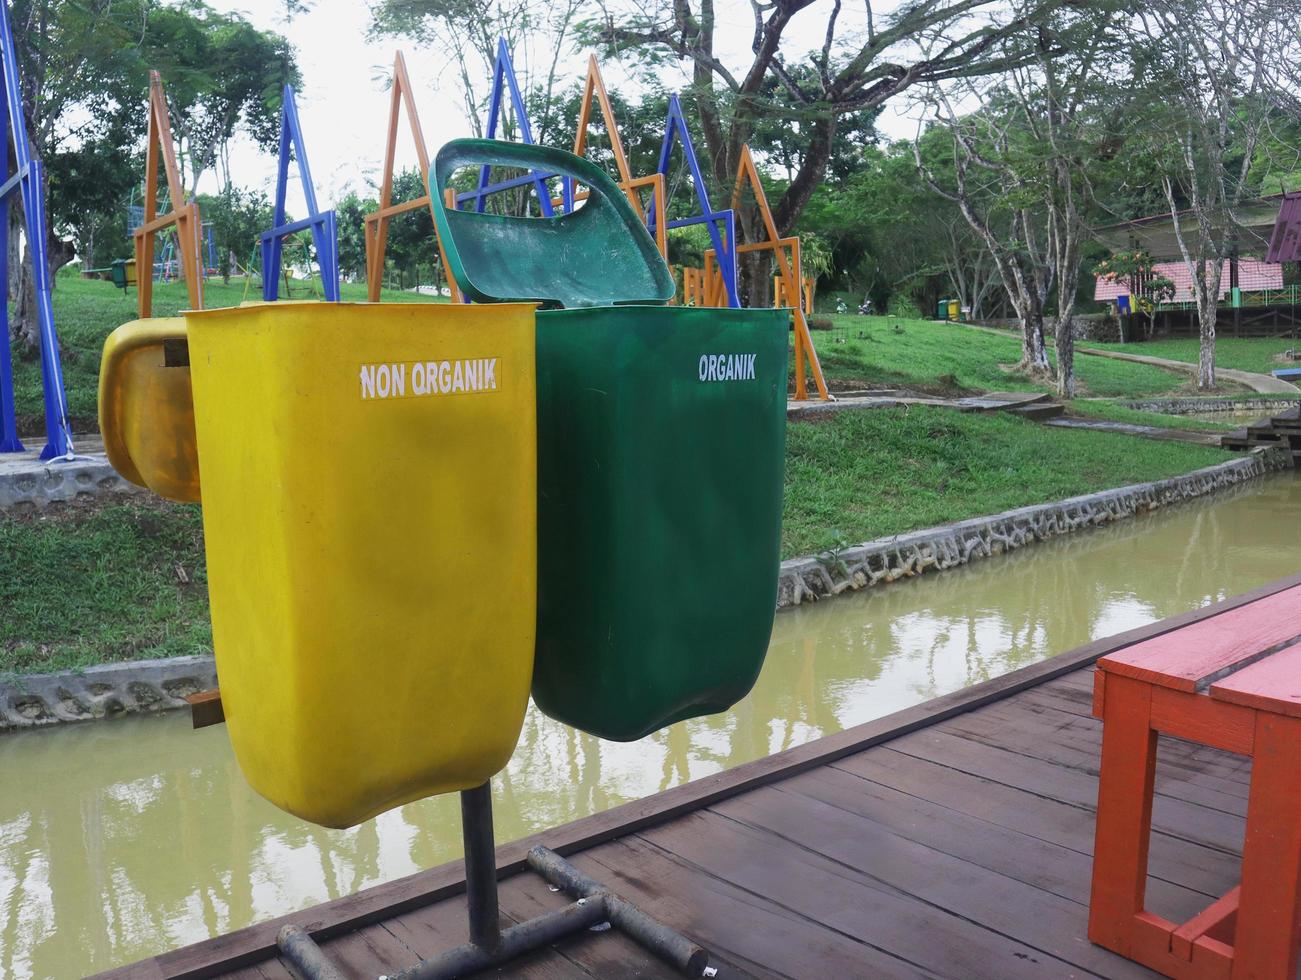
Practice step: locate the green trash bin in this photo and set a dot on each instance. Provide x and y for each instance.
(661, 450)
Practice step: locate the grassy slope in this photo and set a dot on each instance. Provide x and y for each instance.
(87, 310)
(935, 356)
(1238, 353)
(868, 474)
(879, 350)
(101, 584)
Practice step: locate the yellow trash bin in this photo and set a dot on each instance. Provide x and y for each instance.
(146, 411)
(369, 509)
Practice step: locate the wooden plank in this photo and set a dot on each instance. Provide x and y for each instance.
(1187, 658)
(256, 943)
(1076, 742)
(1272, 684)
(1055, 868)
(1019, 924)
(1216, 920)
(369, 952)
(206, 708)
(1269, 915)
(1171, 815)
(1203, 720)
(848, 898)
(1191, 867)
(589, 954)
(1124, 819)
(751, 931)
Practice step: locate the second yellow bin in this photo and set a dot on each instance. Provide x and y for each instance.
(369, 508)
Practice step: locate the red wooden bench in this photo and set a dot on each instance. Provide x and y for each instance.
(1232, 681)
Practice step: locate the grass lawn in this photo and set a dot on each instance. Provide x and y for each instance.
(1237, 353)
(863, 475)
(950, 358)
(1115, 412)
(123, 581)
(87, 585)
(87, 310)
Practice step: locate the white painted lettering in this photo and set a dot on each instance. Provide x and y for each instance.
(726, 367)
(463, 375)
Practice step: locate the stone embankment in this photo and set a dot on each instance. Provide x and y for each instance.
(33, 700)
(1198, 406)
(816, 577)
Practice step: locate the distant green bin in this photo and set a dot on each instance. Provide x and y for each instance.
(661, 448)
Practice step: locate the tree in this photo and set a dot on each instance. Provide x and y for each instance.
(1033, 140)
(1003, 210)
(1208, 69)
(350, 219)
(223, 75)
(84, 71)
(466, 32)
(238, 219)
(919, 43)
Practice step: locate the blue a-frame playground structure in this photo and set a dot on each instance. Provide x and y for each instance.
(322, 223)
(27, 181)
(721, 224)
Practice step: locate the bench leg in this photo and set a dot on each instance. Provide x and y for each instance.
(1124, 825)
(1268, 934)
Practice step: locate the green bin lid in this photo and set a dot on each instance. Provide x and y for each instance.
(600, 254)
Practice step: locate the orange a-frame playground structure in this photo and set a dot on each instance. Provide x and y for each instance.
(377, 222)
(183, 216)
(702, 286)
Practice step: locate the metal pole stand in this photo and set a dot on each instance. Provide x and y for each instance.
(489, 945)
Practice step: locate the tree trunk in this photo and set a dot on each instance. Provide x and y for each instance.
(1065, 341)
(15, 245)
(26, 324)
(1206, 312)
(1206, 285)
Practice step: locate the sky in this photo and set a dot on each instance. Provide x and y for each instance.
(343, 99)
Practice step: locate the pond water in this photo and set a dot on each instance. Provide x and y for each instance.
(121, 839)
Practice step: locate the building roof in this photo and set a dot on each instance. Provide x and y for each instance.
(1252, 275)
(1156, 233)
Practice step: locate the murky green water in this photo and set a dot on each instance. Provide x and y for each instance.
(122, 839)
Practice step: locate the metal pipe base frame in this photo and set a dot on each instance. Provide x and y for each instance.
(491, 946)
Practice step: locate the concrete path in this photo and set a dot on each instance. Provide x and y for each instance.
(1264, 383)
(1146, 431)
(993, 401)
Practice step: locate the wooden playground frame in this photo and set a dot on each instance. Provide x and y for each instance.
(594, 88)
(184, 216)
(377, 222)
(704, 286)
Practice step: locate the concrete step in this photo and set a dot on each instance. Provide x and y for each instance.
(1039, 412)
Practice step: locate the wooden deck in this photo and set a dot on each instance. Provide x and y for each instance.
(952, 839)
